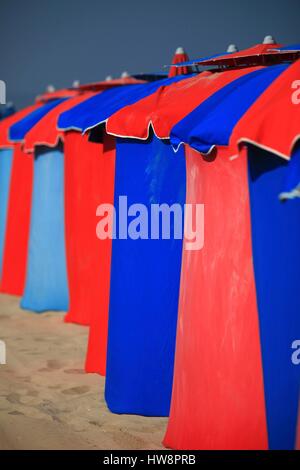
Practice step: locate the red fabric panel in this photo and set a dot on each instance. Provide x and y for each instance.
(89, 181)
(97, 343)
(168, 105)
(45, 131)
(272, 122)
(18, 223)
(218, 392)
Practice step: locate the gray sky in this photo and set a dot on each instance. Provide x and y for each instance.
(58, 41)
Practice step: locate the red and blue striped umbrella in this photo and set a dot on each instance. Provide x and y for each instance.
(86, 116)
(46, 282)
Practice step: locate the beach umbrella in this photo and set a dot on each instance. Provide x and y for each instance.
(16, 177)
(83, 182)
(144, 262)
(87, 116)
(193, 424)
(46, 222)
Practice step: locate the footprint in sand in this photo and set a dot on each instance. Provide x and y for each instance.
(32, 393)
(76, 390)
(26, 378)
(96, 423)
(14, 398)
(16, 413)
(74, 371)
(52, 365)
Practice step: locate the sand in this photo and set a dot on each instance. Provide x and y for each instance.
(47, 401)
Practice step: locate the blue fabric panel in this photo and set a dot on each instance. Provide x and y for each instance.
(18, 131)
(212, 122)
(100, 107)
(276, 254)
(145, 276)
(6, 157)
(293, 47)
(46, 280)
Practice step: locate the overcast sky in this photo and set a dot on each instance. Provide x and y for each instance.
(58, 41)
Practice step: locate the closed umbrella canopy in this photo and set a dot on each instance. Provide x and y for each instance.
(46, 280)
(83, 117)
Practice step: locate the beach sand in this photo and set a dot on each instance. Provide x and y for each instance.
(47, 401)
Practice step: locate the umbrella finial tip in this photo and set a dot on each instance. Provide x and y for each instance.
(108, 78)
(179, 50)
(50, 88)
(269, 39)
(232, 48)
(125, 74)
(76, 84)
